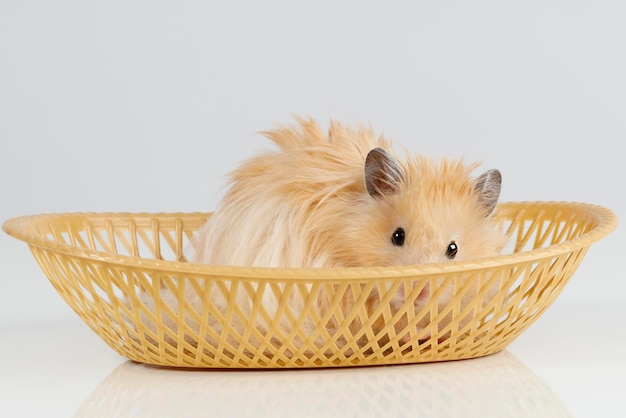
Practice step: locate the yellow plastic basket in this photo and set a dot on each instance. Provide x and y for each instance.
(108, 266)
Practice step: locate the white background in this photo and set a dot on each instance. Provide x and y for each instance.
(146, 106)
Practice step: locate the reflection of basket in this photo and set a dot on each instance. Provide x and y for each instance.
(495, 386)
(111, 269)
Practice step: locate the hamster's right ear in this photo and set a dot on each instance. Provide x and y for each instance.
(487, 189)
(383, 174)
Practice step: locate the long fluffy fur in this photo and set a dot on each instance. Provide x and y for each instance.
(306, 205)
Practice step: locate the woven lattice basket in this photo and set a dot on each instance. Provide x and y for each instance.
(113, 270)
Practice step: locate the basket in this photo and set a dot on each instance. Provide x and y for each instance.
(113, 270)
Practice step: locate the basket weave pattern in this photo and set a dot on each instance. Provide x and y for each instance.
(112, 269)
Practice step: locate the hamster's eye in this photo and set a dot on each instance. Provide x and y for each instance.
(452, 250)
(398, 237)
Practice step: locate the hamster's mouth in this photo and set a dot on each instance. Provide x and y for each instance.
(424, 293)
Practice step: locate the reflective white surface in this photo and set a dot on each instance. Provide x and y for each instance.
(498, 385)
(553, 370)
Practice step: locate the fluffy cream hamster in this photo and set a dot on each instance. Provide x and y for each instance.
(344, 199)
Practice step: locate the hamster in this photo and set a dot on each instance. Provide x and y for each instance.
(345, 199)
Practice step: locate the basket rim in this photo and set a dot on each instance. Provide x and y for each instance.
(607, 221)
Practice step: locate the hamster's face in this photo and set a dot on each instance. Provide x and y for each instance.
(427, 213)
(417, 231)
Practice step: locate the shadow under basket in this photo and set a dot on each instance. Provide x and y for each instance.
(125, 275)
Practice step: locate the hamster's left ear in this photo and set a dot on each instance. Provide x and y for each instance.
(382, 173)
(487, 189)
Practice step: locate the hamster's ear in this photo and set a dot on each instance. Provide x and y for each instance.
(382, 173)
(487, 189)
